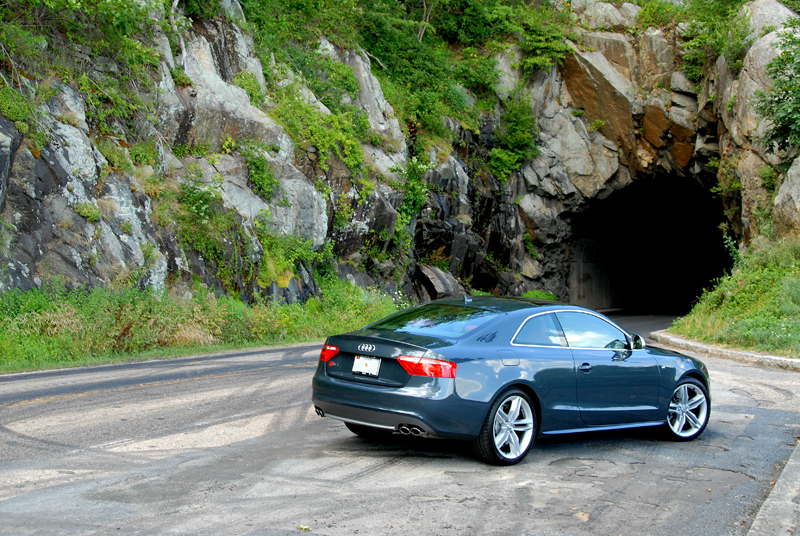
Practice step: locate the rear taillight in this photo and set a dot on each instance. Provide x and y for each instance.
(327, 353)
(423, 366)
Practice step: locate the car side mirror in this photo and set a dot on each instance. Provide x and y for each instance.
(638, 342)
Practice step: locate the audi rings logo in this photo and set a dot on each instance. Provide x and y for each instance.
(366, 347)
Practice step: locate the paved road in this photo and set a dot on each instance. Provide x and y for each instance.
(642, 324)
(229, 444)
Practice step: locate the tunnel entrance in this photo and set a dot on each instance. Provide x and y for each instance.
(651, 246)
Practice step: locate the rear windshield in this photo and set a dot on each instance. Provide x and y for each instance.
(437, 320)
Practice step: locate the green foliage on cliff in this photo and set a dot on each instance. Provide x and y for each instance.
(334, 134)
(421, 56)
(757, 306)
(97, 47)
(415, 190)
(261, 176)
(248, 82)
(516, 137)
(781, 104)
(660, 14)
(715, 29)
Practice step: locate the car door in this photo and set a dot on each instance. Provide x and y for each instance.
(615, 385)
(543, 350)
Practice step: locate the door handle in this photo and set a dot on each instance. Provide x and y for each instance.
(586, 367)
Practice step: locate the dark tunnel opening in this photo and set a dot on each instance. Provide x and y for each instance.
(652, 247)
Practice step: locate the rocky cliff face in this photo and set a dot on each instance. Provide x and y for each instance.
(618, 111)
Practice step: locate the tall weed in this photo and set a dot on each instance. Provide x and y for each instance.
(757, 306)
(52, 327)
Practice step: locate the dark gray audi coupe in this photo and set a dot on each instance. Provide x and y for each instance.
(501, 371)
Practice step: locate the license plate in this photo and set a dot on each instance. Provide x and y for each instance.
(369, 366)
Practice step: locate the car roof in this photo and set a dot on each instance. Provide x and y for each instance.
(506, 304)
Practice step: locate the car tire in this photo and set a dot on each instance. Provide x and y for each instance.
(688, 411)
(508, 431)
(368, 432)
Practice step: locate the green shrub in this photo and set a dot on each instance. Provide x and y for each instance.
(597, 124)
(503, 163)
(261, 175)
(13, 105)
(248, 82)
(415, 190)
(330, 134)
(477, 72)
(89, 211)
(329, 80)
(529, 247)
(343, 213)
(781, 104)
(660, 14)
(200, 9)
(145, 153)
(438, 259)
(770, 179)
(200, 197)
(200, 150)
(115, 155)
(516, 136)
(180, 78)
(543, 32)
(715, 29)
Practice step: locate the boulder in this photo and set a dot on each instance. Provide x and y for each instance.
(630, 11)
(298, 209)
(213, 109)
(67, 106)
(598, 89)
(10, 140)
(686, 102)
(617, 49)
(683, 135)
(755, 197)
(786, 211)
(679, 82)
(742, 120)
(657, 58)
(603, 16)
(655, 123)
(436, 284)
(370, 99)
(588, 162)
(541, 211)
(510, 75)
(232, 9)
(764, 13)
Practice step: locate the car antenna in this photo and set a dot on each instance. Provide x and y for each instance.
(467, 300)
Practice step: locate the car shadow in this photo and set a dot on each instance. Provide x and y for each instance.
(584, 443)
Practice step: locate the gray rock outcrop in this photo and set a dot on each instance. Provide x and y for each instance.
(617, 112)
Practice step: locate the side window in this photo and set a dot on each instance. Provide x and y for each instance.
(540, 330)
(588, 331)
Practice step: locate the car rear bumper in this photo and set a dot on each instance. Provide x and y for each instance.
(427, 403)
(368, 417)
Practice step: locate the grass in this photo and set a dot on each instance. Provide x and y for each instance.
(540, 295)
(54, 328)
(756, 307)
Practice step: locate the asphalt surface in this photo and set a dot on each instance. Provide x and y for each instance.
(229, 444)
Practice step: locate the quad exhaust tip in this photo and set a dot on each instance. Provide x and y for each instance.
(410, 429)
